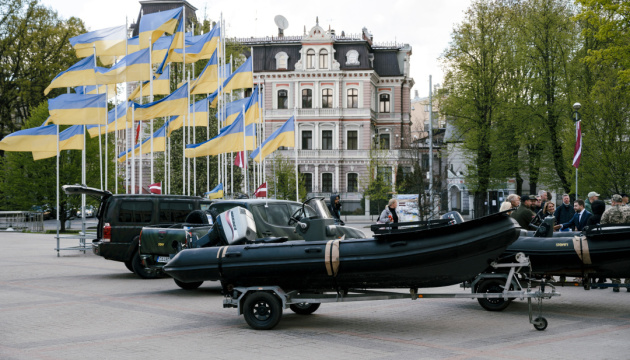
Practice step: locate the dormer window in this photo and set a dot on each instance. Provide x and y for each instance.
(282, 61)
(323, 59)
(352, 58)
(310, 59)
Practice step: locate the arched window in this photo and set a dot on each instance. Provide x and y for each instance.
(282, 61)
(283, 99)
(353, 98)
(307, 99)
(310, 59)
(327, 98)
(323, 59)
(384, 103)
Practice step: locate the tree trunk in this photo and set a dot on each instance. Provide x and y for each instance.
(480, 204)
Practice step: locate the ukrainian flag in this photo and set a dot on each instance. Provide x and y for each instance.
(203, 48)
(108, 43)
(233, 109)
(133, 67)
(161, 85)
(198, 116)
(96, 89)
(230, 139)
(215, 193)
(41, 138)
(283, 136)
(81, 73)
(173, 104)
(69, 139)
(133, 44)
(154, 25)
(159, 144)
(208, 81)
(242, 78)
(252, 108)
(76, 109)
(121, 112)
(160, 49)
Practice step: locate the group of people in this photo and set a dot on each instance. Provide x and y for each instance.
(531, 211)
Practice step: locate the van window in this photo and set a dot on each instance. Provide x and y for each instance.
(278, 214)
(135, 211)
(218, 208)
(174, 211)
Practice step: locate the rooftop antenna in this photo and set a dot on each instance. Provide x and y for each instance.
(282, 24)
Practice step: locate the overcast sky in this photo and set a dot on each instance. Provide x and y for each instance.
(425, 25)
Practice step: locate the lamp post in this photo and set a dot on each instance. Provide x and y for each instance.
(577, 106)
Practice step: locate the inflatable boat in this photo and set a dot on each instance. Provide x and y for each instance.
(407, 255)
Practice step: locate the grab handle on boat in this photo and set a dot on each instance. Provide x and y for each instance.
(312, 250)
(233, 254)
(398, 243)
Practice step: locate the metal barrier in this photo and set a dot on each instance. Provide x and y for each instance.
(21, 221)
(83, 246)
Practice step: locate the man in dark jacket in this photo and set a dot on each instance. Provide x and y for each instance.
(579, 219)
(335, 208)
(564, 212)
(524, 214)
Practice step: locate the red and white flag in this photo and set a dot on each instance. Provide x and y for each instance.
(137, 132)
(577, 154)
(240, 160)
(261, 191)
(155, 188)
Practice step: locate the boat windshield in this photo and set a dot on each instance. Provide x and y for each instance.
(316, 209)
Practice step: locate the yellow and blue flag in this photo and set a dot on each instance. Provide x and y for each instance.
(121, 112)
(215, 193)
(41, 138)
(242, 78)
(161, 85)
(252, 109)
(159, 144)
(96, 89)
(107, 43)
(76, 109)
(198, 116)
(173, 104)
(203, 48)
(154, 25)
(208, 81)
(230, 139)
(79, 74)
(233, 109)
(69, 139)
(283, 136)
(133, 67)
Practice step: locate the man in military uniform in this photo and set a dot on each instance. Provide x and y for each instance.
(524, 215)
(617, 214)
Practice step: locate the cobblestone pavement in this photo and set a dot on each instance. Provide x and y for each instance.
(80, 306)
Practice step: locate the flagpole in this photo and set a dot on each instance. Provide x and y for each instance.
(100, 145)
(115, 136)
(150, 98)
(194, 124)
(140, 147)
(58, 221)
(232, 174)
(184, 120)
(245, 147)
(132, 149)
(106, 131)
(128, 130)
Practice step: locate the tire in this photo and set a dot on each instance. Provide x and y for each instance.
(492, 286)
(304, 308)
(541, 323)
(139, 269)
(129, 265)
(188, 285)
(262, 310)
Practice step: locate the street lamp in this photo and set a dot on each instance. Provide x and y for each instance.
(576, 107)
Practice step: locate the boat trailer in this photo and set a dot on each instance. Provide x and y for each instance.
(262, 305)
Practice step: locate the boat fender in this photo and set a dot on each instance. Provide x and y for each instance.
(580, 244)
(331, 257)
(220, 256)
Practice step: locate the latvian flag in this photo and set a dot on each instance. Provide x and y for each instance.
(240, 160)
(261, 191)
(577, 154)
(155, 188)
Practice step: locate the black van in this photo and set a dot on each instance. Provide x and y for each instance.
(122, 216)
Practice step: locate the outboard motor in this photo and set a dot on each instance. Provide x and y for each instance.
(232, 227)
(546, 228)
(454, 216)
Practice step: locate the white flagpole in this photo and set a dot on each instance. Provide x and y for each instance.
(151, 100)
(106, 128)
(58, 221)
(115, 137)
(183, 119)
(245, 148)
(132, 149)
(127, 130)
(295, 147)
(262, 114)
(232, 174)
(100, 145)
(140, 147)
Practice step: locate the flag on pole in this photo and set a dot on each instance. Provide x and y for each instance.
(283, 136)
(215, 193)
(173, 104)
(121, 112)
(261, 191)
(242, 78)
(230, 139)
(107, 42)
(159, 144)
(69, 139)
(155, 188)
(133, 67)
(233, 109)
(240, 160)
(40, 138)
(577, 154)
(154, 25)
(96, 89)
(202, 48)
(252, 110)
(81, 73)
(161, 85)
(208, 81)
(76, 109)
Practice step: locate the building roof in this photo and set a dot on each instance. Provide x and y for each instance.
(153, 6)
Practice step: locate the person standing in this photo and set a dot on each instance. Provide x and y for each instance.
(565, 211)
(543, 199)
(512, 201)
(389, 215)
(335, 208)
(579, 219)
(524, 214)
(617, 214)
(592, 196)
(546, 211)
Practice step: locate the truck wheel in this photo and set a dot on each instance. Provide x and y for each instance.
(188, 285)
(139, 269)
(129, 265)
(262, 310)
(492, 286)
(304, 308)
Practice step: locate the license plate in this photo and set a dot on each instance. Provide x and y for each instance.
(163, 259)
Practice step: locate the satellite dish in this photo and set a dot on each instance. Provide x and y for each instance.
(281, 21)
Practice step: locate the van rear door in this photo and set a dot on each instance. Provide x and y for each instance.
(95, 193)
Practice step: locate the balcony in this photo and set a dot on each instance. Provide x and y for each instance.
(318, 112)
(341, 154)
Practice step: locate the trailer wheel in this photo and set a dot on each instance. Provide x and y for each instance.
(188, 285)
(304, 308)
(262, 310)
(540, 323)
(492, 286)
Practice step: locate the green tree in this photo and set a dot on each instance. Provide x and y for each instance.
(281, 181)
